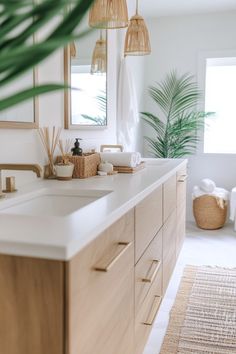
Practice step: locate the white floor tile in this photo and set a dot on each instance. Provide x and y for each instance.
(201, 247)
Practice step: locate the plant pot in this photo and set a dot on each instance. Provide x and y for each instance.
(64, 172)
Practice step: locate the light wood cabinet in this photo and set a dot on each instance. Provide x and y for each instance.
(169, 197)
(169, 248)
(147, 313)
(148, 221)
(147, 269)
(105, 299)
(100, 293)
(181, 209)
(31, 306)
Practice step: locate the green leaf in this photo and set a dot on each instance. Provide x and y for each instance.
(28, 94)
(19, 21)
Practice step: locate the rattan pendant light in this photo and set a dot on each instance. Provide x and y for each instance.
(137, 37)
(99, 58)
(108, 14)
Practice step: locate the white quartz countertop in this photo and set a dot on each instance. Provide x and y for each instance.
(61, 237)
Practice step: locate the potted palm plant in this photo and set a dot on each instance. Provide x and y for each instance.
(177, 124)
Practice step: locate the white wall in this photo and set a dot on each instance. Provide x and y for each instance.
(178, 42)
(137, 66)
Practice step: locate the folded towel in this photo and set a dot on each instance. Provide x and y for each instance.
(218, 193)
(127, 159)
(139, 159)
(207, 185)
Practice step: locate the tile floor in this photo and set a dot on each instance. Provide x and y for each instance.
(200, 248)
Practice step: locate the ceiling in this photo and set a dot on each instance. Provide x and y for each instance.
(157, 8)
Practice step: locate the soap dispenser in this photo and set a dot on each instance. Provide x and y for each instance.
(76, 150)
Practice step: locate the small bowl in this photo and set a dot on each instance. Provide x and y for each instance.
(64, 172)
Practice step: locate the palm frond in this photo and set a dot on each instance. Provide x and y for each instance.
(97, 120)
(102, 101)
(175, 94)
(19, 21)
(154, 122)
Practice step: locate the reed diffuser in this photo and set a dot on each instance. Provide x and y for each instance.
(50, 142)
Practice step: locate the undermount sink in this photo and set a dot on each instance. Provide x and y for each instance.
(53, 202)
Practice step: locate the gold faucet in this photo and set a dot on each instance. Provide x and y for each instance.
(18, 167)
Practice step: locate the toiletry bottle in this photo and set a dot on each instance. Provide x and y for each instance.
(76, 150)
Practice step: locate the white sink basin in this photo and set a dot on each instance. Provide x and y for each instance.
(52, 202)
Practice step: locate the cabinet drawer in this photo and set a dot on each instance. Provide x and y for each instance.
(148, 221)
(168, 268)
(147, 269)
(181, 222)
(169, 248)
(169, 197)
(100, 294)
(169, 235)
(148, 311)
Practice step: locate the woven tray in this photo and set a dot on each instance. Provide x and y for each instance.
(124, 169)
(210, 212)
(85, 166)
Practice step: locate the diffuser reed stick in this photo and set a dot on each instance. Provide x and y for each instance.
(65, 150)
(50, 144)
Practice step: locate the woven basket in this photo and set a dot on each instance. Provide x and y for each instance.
(85, 166)
(210, 212)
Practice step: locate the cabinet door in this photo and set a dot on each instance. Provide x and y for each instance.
(100, 293)
(169, 248)
(31, 306)
(169, 197)
(148, 221)
(181, 209)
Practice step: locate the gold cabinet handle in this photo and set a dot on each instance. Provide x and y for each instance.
(153, 312)
(105, 264)
(153, 270)
(183, 178)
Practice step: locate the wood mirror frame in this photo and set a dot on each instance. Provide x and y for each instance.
(25, 125)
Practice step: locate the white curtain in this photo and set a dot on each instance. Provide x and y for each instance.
(127, 113)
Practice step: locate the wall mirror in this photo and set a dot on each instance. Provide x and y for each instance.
(23, 115)
(85, 70)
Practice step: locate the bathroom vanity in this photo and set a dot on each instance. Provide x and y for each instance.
(90, 280)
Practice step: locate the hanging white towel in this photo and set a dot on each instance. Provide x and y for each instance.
(127, 113)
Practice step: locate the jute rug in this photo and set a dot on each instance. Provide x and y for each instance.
(203, 318)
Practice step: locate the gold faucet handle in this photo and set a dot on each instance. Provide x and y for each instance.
(10, 185)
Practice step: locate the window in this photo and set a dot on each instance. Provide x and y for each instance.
(88, 99)
(220, 97)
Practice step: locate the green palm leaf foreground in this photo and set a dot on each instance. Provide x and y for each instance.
(178, 123)
(20, 20)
